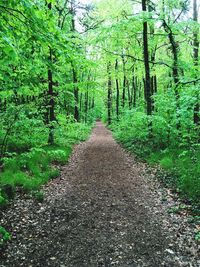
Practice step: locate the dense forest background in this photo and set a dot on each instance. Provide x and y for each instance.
(64, 64)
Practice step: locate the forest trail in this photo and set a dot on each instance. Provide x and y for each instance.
(100, 212)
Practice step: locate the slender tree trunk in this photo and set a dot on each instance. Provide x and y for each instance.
(124, 83)
(93, 102)
(86, 105)
(146, 62)
(51, 117)
(196, 58)
(175, 69)
(175, 48)
(87, 97)
(129, 94)
(155, 84)
(196, 33)
(134, 90)
(90, 103)
(5, 105)
(76, 94)
(117, 88)
(140, 89)
(109, 94)
(51, 103)
(81, 97)
(74, 71)
(153, 56)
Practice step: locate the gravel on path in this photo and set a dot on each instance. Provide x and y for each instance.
(102, 211)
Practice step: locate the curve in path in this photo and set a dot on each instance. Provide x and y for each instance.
(100, 212)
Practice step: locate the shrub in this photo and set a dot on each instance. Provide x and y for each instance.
(181, 158)
(166, 162)
(4, 235)
(31, 169)
(38, 195)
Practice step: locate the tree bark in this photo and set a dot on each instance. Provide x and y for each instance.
(76, 94)
(50, 96)
(196, 63)
(51, 103)
(134, 90)
(146, 63)
(75, 78)
(109, 93)
(117, 88)
(86, 105)
(129, 94)
(175, 69)
(174, 48)
(124, 83)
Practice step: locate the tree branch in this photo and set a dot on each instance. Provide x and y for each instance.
(135, 58)
(188, 82)
(14, 10)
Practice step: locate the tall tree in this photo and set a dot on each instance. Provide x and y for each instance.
(146, 62)
(51, 94)
(109, 101)
(196, 59)
(74, 70)
(117, 87)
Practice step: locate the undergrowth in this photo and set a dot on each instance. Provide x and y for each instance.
(179, 158)
(4, 236)
(33, 168)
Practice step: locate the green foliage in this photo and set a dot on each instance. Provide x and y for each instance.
(38, 125)
(4, 235)
(31, 169)
(166, 163)
(197, 236)
(58, 155)
(180, 158)
(177, 209)
(38, 195)
(3, 200)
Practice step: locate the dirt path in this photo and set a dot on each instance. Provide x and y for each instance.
(100, 212)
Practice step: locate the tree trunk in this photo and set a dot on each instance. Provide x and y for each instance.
(146, 63)
(124, 83)
(76, 94)
(196, 58)
(134, 91)
(174, 48)
(109, 93)
(74, 71)
(196, 32)
(81, 97)
(175, 69)
(50, 97)
(129, 94)
(86, 105)
(117, 89)
(51, 104)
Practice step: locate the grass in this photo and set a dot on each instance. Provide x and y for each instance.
(183, 164)
(29, 159)
(33, 168)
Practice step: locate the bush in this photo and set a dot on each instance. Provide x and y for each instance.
(31, 169)
(38, 195)
(166, 163)
(181, 158)
(3, 200)
(4, 235)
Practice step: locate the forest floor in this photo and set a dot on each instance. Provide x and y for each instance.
(104, 210)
